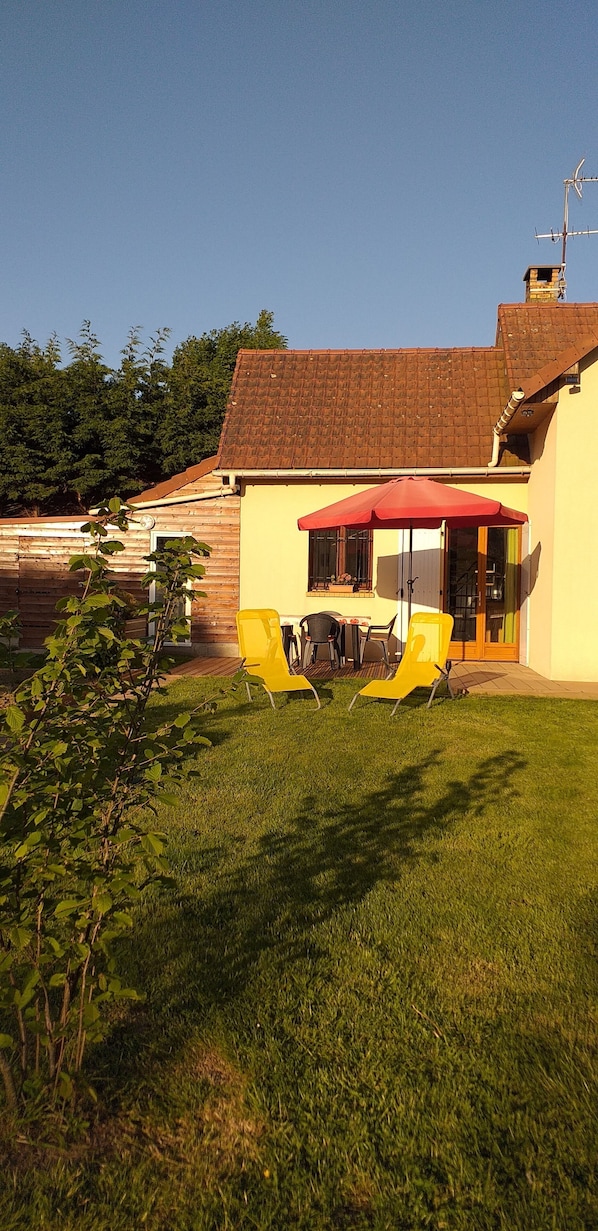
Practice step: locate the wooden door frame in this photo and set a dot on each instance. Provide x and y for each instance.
(480, 649)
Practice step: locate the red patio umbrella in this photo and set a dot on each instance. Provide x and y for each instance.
(409, 502)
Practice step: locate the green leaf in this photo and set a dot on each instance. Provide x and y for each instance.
(67, 907)
(19, 937)
(181, 720)
(90, 1014)
(166, 797)
(14, 718)
(22, 999)
(153, 843)
(78, 562)
(6, 1041)
(32, 840)
(122, 884)
(98, 600)
(154, 772)
(65, 1086)
(102, 902)
(126, 833)
(40, 815)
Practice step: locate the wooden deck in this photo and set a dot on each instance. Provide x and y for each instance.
(319, 671)
(487, 678)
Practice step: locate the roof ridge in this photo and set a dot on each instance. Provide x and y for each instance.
(369, 350)
(536, 307)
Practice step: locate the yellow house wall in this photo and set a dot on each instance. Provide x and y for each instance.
(540, 571)
(274, 552)
(571, 450)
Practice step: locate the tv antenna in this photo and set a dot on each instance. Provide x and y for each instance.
(575, 182)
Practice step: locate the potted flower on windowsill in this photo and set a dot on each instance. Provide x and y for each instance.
(343, 584)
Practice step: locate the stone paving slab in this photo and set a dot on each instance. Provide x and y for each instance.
(515, 679)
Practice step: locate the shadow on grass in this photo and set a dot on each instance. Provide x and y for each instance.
(221, 709)
(218, 710)
(416, 699)
(198, 950)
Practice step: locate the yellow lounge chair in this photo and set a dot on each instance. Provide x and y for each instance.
(260, 643)
(424, 663)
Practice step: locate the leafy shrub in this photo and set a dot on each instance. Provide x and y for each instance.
(78, 769)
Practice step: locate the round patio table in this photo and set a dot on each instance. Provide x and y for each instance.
(355, 624)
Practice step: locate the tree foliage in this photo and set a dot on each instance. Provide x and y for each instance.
(72, 434)
(36, 448)
(78, 767)
(200, 379)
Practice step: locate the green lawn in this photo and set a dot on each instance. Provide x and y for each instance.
(372, 997)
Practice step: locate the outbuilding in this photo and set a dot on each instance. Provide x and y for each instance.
(35, 553)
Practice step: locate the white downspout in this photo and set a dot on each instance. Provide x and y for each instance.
(513, 404)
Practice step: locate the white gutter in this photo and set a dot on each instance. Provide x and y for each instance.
(513, 404)
(154, 504)
(390, 472)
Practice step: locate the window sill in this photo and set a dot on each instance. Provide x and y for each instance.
(327, 594)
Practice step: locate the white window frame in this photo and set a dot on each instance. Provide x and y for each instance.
(168, 534)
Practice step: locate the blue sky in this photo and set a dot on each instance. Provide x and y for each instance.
(373, 174)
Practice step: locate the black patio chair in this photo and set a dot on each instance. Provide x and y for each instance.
(380, 634)
(320, 629)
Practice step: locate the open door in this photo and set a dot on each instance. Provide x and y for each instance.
(482, 585)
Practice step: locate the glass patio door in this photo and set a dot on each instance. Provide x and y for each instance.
(482, 592)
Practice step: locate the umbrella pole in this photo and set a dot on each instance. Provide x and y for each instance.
(411, 580)
(408, 584)
(402, 588)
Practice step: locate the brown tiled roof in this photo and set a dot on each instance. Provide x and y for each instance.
(367, 409)
(536, 335)
(177, 481)
(397, 409)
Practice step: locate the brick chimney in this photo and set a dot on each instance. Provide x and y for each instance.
(542, 283)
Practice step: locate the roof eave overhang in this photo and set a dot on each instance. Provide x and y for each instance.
(515, 418)
(553, 370)
(389, 472)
